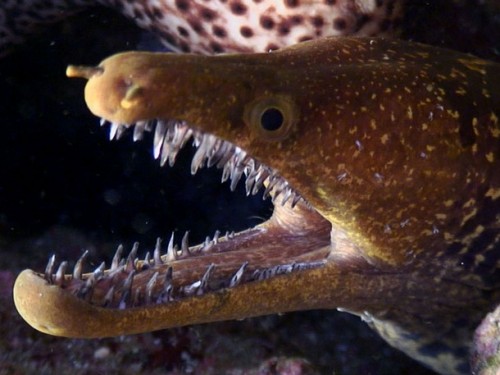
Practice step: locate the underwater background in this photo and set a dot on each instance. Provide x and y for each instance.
(65, 188)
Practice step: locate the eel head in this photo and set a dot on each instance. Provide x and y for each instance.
(379, 157)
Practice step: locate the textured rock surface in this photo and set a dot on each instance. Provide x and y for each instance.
(485, 358)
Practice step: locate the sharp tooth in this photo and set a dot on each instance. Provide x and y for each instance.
(166, 151)
(249, 167)
(157, 253)
(120, 131)
(137, 297)
(190, 289)
(278, 188)
(216, 237)
(60, 273)
(236, 279)
(49, 270)
(85, 292)
(77, 270)
(207, 245)
(147, 260)
(227, 151)
(212, 145)
(115, 263)
(226, 172)
(185, 244)
(218, 151)
(171, 252)
(166, 294)
(273, 180)
(286, 195)
(199, 157)
(262, 174)
(182, 134)
(204, 280)
(160, 131)
(99, 271)
(130, 265)
(295, 199)
(235, 177)
(139, 129)
(102, 122)
(113, 130)
(249, 183)
(108, 299)
(126, 291)
(150, 286)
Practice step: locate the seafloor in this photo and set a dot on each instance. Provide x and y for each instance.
(64, 188)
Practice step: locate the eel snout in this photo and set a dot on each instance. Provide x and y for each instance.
(128, 87)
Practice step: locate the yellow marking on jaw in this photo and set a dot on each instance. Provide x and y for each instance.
(132, 97)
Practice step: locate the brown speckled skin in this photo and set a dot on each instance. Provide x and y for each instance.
(395, 145)
(215, 26)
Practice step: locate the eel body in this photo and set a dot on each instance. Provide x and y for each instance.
(381, 158)
(216, 26)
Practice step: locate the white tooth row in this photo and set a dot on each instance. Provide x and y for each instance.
(171, 136)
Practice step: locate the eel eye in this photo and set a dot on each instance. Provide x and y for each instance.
(271, 118)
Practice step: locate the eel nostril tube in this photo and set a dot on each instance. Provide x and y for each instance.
(80, 71)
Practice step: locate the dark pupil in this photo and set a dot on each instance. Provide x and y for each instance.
(271, 119)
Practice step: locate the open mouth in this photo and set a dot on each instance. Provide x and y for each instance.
(295, 238)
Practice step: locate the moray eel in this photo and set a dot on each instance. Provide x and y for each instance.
(215, 26)
(381, 158)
